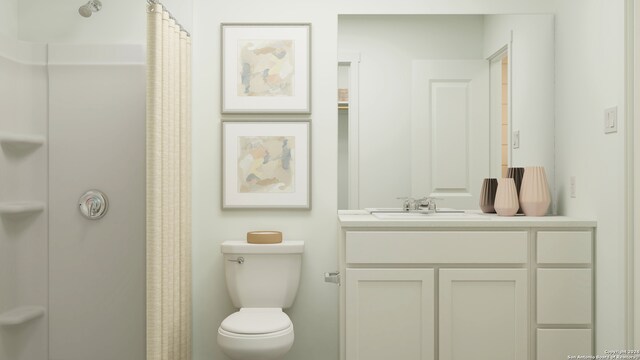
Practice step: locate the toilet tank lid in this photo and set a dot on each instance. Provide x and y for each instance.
(243, 247)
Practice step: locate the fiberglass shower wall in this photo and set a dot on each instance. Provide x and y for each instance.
(23, 197)
(72, 118)
(97, 141)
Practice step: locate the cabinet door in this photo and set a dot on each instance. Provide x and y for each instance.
(390, 314)
(483, 314)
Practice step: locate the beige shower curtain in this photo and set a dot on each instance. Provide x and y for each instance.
(168, 188)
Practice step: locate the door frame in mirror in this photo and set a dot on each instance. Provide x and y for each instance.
(505, 50)
(352, 60)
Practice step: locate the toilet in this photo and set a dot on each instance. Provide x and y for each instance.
(262, 279)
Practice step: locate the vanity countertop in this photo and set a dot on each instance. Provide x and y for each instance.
(361, 219)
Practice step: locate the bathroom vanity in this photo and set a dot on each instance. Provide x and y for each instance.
(477, 287)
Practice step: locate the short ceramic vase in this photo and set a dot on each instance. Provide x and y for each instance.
(506, 203)
(516, 173)
(488, 195)
(534, 194)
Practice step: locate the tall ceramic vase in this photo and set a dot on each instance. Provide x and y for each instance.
(516, 173)
(488, 195)
(534, 194)
(506, 203)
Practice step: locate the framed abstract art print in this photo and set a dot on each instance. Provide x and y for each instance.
(266, 164)
(266, 68)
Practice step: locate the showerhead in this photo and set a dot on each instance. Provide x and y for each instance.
(89, 8)
(85, 11)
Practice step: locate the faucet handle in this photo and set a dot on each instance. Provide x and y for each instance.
(409, 203)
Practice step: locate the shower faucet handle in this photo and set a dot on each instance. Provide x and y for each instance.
(93, 204)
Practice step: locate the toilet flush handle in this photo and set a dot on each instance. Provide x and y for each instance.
(239, 260)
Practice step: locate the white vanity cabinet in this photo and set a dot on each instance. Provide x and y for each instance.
(512, 289)
(390, 313)
(483, 314)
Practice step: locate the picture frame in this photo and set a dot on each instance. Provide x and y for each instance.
(266, 164)
(266, 68)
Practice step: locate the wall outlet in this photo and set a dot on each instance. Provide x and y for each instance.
(611, 120)
(572, 186)
(515, 139)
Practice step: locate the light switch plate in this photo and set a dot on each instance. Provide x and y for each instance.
(515, 139)
(611, 120)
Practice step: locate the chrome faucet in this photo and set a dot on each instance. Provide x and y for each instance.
(428, 202)
(411, 204)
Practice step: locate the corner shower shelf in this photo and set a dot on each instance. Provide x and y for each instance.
(21, 141)
(21, 208)
(21, 315)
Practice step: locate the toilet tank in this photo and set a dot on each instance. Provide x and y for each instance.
(268, 276)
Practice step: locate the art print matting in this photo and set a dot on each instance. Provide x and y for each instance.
(266, 68)
(266, 164)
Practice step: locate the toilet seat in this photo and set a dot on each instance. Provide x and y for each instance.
(274, 335)
(256, 321)
(256, 334)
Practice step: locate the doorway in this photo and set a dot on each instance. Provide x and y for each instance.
(499, 97)
(348, 131)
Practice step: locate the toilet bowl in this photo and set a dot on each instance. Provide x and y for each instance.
(256, 334)
(262, 279)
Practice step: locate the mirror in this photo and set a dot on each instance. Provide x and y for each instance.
(432, 104)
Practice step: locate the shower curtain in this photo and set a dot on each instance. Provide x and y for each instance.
(168, 187)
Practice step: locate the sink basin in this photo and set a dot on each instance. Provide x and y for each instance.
(443, 214)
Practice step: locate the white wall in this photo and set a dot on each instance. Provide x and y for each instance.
(119, 21)
(532, 65)
(315, 312)
(590, 78)
(23, 177)
(586, 82)
(9, 18)
(388, 45)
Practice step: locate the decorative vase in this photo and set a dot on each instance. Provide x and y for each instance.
(488, 195)
(506, 203)
(534, 194)
(516, 173)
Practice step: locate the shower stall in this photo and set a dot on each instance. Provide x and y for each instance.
(72, 119)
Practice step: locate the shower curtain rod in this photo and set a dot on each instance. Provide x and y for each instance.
(157, 2)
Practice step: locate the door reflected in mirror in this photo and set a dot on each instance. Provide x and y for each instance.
(434, 102)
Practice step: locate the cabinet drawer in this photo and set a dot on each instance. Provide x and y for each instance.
(420, 247)
(569, 247)
(559, 344)
(564, 296)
